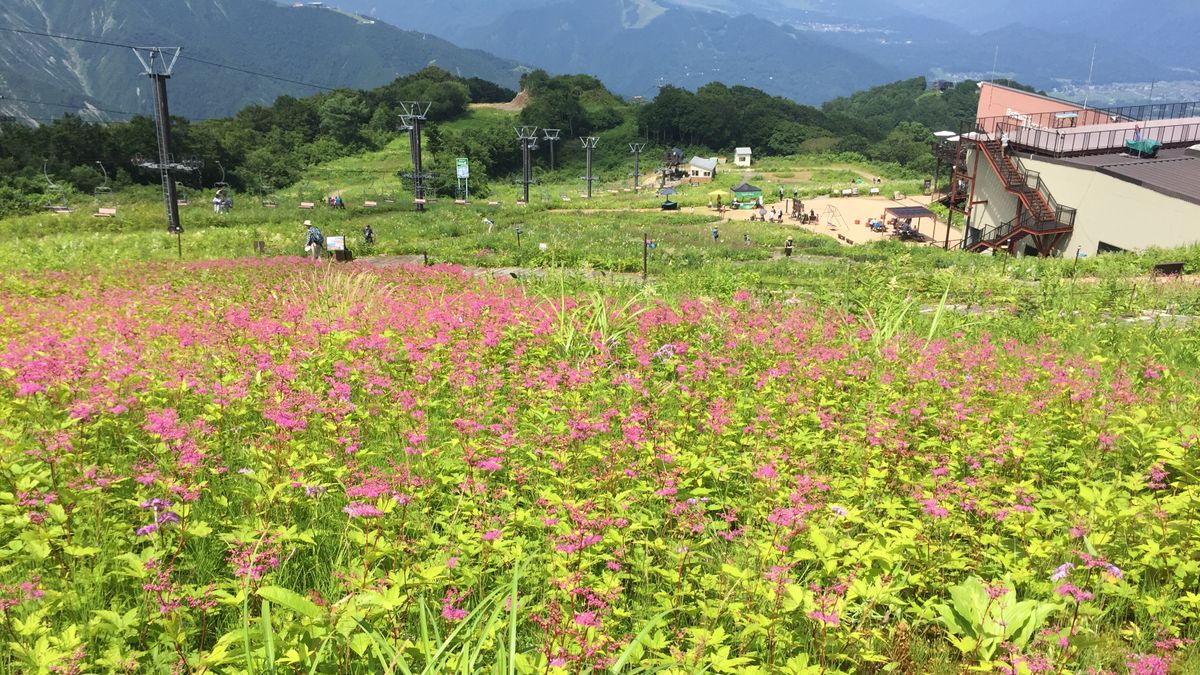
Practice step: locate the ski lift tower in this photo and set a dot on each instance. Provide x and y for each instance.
(527, 136)
(159, 63)
(636, 149)
(415, 112)
(551, 136)
(589, 144)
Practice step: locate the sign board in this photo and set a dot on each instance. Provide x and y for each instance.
(337, 243)
(461, 168)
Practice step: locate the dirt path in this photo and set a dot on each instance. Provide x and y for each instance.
(516, 105)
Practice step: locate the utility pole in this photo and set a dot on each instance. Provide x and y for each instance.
(589, 144)
(550, 136)
(415, 113)
(158, 64)
(636, 149)
(645, 256)
(527, 135)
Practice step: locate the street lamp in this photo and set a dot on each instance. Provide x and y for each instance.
(939, 151)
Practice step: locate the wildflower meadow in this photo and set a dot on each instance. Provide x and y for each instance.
(270, 465)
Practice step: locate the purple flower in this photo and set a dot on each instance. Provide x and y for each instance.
(361, 510)
(1073, 591)
(146, 530)
(829, 618)
(157, 503)
(491, 535)
(1062, 572)
(932, 508)
(167, 517)
(1114, 571)
(839, 511)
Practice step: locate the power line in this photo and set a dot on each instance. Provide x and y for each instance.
(214, 64)
(62, 36)
(256, 74)
(5, 97)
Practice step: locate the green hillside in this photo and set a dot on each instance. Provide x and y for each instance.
(305, 44)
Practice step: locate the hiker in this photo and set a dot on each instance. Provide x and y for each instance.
(489, 223)
(1004, 144)
(780, 193)
(795, 194)
(715, 234)
(368, 234)
(338, 203)
(745, 239)
(315, 241)
(787, 247)
(217, 203)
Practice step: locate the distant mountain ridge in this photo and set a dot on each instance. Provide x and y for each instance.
(842, 45)
(306, 44)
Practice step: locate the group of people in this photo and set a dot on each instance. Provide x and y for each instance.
(772, 216)
(335, 202)
(222, 202)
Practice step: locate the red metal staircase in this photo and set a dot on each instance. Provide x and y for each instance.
(1038, 214)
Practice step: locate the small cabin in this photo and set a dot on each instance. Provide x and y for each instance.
(702, 169)
(742, 156)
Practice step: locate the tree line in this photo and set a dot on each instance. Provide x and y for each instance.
(262, 148)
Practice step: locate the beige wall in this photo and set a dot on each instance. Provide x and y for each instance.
(1001, 205)
(1117, 212)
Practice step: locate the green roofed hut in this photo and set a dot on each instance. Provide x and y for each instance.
(746, 196)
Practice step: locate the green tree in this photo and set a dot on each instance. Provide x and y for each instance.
(342, 114)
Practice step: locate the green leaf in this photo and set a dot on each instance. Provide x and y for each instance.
(290, 600)
(627, 653)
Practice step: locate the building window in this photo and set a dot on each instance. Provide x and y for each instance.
(1108, 248)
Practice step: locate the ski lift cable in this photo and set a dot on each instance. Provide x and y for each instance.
(214, 64)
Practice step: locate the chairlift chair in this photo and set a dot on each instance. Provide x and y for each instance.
(103, 193)
(182, 196)
(304, 196)
(221, 184)
(59, 203)
(372, 198)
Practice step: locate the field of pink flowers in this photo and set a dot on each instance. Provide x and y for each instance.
(276, 466)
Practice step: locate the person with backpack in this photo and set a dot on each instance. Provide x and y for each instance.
(368, 234)
(315, 241)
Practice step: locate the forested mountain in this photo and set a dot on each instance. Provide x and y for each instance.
(813, 50)
(306, 44)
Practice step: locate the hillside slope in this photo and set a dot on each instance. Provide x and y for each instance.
(307, 44)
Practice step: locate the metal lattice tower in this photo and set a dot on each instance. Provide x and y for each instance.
(550, 136)
(527, 135)
(589, 144)
(159, 63)
(636, 149)
(415, 113)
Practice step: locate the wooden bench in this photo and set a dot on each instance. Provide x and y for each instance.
(493, 203)
(183, 202)
(370, 205)
(308, 206)
(460, 202)
(1174, 269)
(419, 202)
(105, 213)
